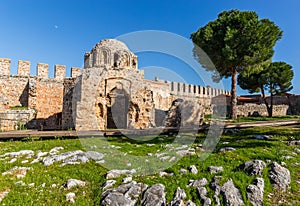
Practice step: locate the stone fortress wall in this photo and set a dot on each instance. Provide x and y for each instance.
(42, 94)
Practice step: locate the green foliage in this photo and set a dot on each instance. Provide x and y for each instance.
(274, 78)
(18, 107)
(237, 40)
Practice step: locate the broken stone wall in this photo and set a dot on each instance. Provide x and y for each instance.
(41, 93)
(261, 110)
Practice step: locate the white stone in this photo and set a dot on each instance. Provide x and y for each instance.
(70, 197)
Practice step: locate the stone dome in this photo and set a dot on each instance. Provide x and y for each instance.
(110, 53)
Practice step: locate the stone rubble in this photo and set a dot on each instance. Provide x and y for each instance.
(215, 186)
(70, 197)
(255, 192)
(226, 149)
(18, 172)
(108, 184)
(4, 194)
(183, 153)
(279, 176)
(125, 195)
(154, 196)
(72, 157)
(215, 169)
(117, 173)
(179, 198)
(206, 201)
(262, 137)
(127, 179)
(198, 183)
(193, 169)
(253, 168)
(18, 154)
(74, 183)
(231, 195)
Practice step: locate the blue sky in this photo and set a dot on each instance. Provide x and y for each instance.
(61, 31)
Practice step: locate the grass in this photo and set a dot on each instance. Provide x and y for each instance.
(254, 119)
(136, 152)
(19, 107)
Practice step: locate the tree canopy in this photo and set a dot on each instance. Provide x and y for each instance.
(274, 78)
(235, 41)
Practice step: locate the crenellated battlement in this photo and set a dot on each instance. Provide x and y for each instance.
(42, 69)
(183, 89)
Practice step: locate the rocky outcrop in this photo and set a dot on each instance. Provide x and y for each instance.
(206, 201)
(193, 169)
(117, 173)
(231, 195)
(155, 196)
(215, 186)
(279, 176)
(74, 183)
(125, 195)
(255, 192)
(179, 198)
(215, 169)
(253, 168)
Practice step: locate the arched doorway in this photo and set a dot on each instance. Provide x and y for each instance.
(117, 109)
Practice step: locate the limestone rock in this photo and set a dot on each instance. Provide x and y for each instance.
(164, 174)
(57, 158)
(179, 198)
(225, 149)
(231, 195)
(3, 194)
(253, 168)
(183, 171)
(215, 185)
(193, 169)
(108, 184)
(183, 153)
(71, 157)
(215, 169)
(294, 143)
(125, 195)
(206, 201)
(255, 192)
(70, 197)
(117, 173)
(18, 172)
(280, 176)
(190, 203)
(18, 154)
(127, 179)
(55, 150)
(94, 155)
(198, 183)
(262, 137)
(155, 196)
(74, 183)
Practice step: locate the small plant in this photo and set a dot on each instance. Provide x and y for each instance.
(18, 107)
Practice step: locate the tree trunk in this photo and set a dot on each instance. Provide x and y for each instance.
(233, 94)
(269, 108)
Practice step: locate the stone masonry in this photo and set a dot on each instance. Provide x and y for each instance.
(109, 92)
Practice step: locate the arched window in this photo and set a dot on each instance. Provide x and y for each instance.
(104, 57)
(116, 59)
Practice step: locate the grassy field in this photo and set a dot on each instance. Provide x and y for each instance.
(44, 192)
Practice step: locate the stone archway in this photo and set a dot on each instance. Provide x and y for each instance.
(117, 109)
